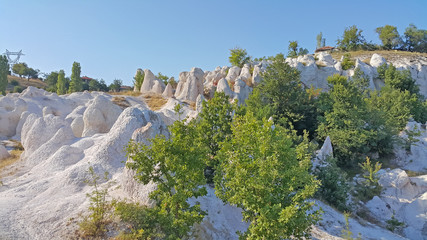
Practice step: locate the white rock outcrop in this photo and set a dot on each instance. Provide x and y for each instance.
(99, 116)
(168, 92)
(3, 153)
(190, 85)
(151, 84)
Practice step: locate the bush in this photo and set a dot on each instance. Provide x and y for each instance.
(14, 82)
(369, 187)
(334, 186)
(18, 89)
(347, 63)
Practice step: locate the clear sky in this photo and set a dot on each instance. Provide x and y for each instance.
(111, 39)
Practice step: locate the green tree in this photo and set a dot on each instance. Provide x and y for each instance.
(293, 50)
(138, 80)
(262, 172)
(351, 40)
(176, 166)
(415, 39)
(389, 36)
(214, 127)
(320, 40)
(162, 78)
(94, 85)
(61, 87)
(4, 69)
(238, 57)
(31, 73)
(115, 86)
(20, 69)
(103, 86)
(354, 129)
(282, 96)
(76, 84)
(51, 80)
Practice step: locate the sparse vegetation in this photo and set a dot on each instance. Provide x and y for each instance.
(393, 224)
(121, 102)
(238, 57)
(154, 101)
(347, 63)
(94, 225)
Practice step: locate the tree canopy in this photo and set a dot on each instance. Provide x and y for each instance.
(352, 39)
(389, 36)
(76, 83)
(4, 69)
(238, 57)
(61, 87)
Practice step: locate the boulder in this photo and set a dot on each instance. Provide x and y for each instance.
(151, 84)
(3, 152)
(224, 87)
(233, 73)
(377, 60)
(11, 109)
(99, 116)
(369, 71)
(190, 85)
(199, 103)
(168, 91)
(241, 90)
(245, 74)
(256, 78)
(325, 59)
(77, 126)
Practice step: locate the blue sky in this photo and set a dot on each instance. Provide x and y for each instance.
(111, 39)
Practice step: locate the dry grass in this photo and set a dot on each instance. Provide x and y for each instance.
(191, 104)
(15, 156)
(23, 82)
(121, 102)
(126, 93)
(414, 174)
(154, 101)
(388, 55)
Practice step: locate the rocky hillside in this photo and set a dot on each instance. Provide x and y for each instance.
(43, 194)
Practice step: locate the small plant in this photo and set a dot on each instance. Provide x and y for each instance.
(94, 225)
(178, 110)
(394, 224)
(346, 232)
(347, 63)
(411, 138)
(370, 186)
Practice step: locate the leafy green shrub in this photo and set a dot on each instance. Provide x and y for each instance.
(334, 187)
(14, 82)
(238, 57)
(18, 89)
(347, 63)
(94, 225)
(262, 172)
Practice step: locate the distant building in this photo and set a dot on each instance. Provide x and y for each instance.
(125, 88)
(327, 49)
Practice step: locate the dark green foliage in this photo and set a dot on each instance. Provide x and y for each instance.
(393, 224)
(51, 81)
(20, 69)
(14, 83)
(4, 69)
(389, 36)
(138, 79)
(354, 129)
(293, 50)
(143, 222)
(18, 89)
(282, 96)
(351, 40)
(334, 186)
(320, 40)
(115, 86)
(176, 166)
(402, 81)
(415, 39)
(360, 80)
(238, 57)
(347, 63)
(76, 83)
(262, 172)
